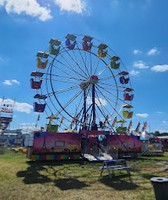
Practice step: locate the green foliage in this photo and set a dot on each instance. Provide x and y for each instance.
(157, 133)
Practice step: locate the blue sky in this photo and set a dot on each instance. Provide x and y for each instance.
(136, 30)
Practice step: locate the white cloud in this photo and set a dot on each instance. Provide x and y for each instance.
(159, 112)
(153, 52)
(140, 64)
(134, 72)
(2, 2)
(23, 107)
(8, 101)
(28, 7)
(160, 68)
(140, 5)
(15, 81)
(28, 127)
(136, 51)
(11, 82)
(20, 107)
(77, 6)
(34, 9)
(143, 115)
(98, 101)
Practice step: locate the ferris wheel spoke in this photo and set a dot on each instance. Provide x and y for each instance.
(70, 101)
(107, 78)
(107, 91)
(83, 110)
(114, 110)
(82, 62)
(105, 115)
(86, 72)
(109, 101)
(119, 99)
(103, 109)
(78, 108)
(103, 70)
(96, 65)
(90, 63)
(111, 87)
(64, 81)
(54, 106)
(61, 112)
(68, 75)
(49, 95)
(86, 64)
(65, 90)
(68, 66)
(73, 58)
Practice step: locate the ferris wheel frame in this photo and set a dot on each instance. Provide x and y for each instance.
(83, 69)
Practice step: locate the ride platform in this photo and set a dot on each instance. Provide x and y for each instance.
(98, 157)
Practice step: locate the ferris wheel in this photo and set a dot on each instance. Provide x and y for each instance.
(82, 83)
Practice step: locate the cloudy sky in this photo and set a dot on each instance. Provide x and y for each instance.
(136, 30)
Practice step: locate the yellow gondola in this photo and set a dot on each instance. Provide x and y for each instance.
(41, 64)
(102, 53)
(127, 114)
(101, 50)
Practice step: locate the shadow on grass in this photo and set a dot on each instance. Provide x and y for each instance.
(1, 150)
(70, 183)
(119, 184)
(32, 175)
(49, 172)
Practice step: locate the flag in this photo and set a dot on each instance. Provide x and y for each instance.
(114, 121)
(62, 119)
(144, 126)
(137, 128)
(106, 119)
(72, 123)
(130, 125)
(86, 119)
(38, 118)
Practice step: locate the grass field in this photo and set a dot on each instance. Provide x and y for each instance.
(21, 179)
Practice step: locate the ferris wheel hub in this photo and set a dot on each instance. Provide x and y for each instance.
(93, 79)
(84, 85)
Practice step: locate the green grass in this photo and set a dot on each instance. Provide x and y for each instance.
(26, 180)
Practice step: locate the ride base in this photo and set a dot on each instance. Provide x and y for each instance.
(55, 156)
(74, 146)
